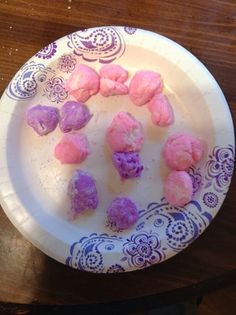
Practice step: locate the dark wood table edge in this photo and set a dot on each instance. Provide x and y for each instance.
(140, 304)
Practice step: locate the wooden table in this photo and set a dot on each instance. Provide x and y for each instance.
(208, 30)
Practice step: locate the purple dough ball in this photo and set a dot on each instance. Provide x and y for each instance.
(127, 164)
(82, 192)
(122, 213)
(74, 116)
(43, 119)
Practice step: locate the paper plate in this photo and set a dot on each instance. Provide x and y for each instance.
(33, 183)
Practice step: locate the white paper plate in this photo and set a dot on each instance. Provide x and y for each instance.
(33, 184)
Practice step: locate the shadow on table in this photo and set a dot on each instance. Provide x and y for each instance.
(187, 308)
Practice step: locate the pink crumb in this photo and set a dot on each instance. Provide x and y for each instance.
(161, 110)
(83, 83)
(144, 85)
(178, 188)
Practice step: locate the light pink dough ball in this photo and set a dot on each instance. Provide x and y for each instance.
(73, 148)
(178, 188)
(144, 85)
(83, 83)
(181, 151)
(125, 133)
(114, 73)
(161, 110)
(109, 88)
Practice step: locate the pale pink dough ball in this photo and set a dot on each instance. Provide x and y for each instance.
(125, 133)
(181, 151)
(178, 188)
(109, 88)
(114, 73)
(161, 110)
(144, 85)
(83, 83)
(73, 148)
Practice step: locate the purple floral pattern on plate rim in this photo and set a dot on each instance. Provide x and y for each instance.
(55, 90)
(67, 63)
(48, 51)
(130, 30)
(103, 44)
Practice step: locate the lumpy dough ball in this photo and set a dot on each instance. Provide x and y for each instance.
(125, 133)
(74, 116)
(144, 85)
(72, 149)
(43, 119)
(161, 110)
(127, 164)
(82, 192)
(83, 83)
(178, 188)
(181, 151)
(114, 73)
(109, 88)
(122, 213)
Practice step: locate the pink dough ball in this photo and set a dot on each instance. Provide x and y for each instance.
(144, 85)
(114, 73)
(161, 110)
(73, 148)
(83, 83)
(109, 88)
(125, 133)
(181, 151)
(178, 188)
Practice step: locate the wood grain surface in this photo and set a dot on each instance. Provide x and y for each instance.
(208, 30)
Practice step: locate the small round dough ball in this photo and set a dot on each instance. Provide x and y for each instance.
(73, 148)
(82, 192)
(122, 213)
(74, 116)
(109, 88)
(182, 151)
(161, 110)
(144, 85)
(127, 164)
(178, 188)
(125, 133)
(83, 83)
(43, 119)
(114, 73)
